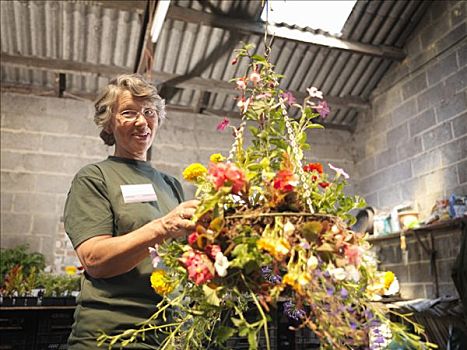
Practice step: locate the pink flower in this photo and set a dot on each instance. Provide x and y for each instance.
(255, 77)
(323, 109)
(285, 181)
(241, 83)
(223, 124)
(288, 98)
(339, 171)
(212, 250)
(227, 174)
(314, 92)
(200, 269)
(352, 254)
(261, 96)
(243, 104)
(192, 238)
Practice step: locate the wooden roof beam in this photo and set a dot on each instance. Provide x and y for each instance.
(297, 35)
(159, 78)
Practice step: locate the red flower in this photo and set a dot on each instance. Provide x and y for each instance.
(285, 181)
(227, 174)
(234, 61)
(200, 269)
(313, 166)
(324, 184)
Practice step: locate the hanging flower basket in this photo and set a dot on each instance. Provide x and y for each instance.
(271, 227)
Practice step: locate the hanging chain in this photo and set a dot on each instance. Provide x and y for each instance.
(297, 155)
(238, 139)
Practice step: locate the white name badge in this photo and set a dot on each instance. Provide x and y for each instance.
(138, 193)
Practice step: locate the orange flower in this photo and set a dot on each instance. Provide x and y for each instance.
(285, 181)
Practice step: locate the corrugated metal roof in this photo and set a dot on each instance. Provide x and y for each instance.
(90, 32)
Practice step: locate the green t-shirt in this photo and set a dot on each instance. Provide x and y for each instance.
(95, 206)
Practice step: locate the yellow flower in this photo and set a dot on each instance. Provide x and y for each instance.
(388, 279)
(70, 270)
(216, 158)
(161, 283)
(297, 281)
(278, 248)
(194, 171)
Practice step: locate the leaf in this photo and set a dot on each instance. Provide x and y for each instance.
(211, 295)
(223, 333)
(259, 58)
(238, 323)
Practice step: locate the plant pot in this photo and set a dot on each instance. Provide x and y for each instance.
(53, 301)
(6, 301)
(25, 301)
(70, 301)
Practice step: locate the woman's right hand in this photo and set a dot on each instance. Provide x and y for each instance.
(178, 223)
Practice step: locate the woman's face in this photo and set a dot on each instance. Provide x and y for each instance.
(133, 125)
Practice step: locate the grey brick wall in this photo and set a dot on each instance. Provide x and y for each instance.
(45, 141)
(413, 143)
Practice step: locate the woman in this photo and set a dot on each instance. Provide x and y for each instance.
(118, 208)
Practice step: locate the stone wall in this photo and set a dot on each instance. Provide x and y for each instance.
(413, 144)
(46, 140)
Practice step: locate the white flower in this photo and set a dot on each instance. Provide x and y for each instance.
(338, 273)
(314, 92)
(289, 228)
(155, 258)
(221, 264)
(339, 171)
(312, 262)
(393, 288)
(352, 273)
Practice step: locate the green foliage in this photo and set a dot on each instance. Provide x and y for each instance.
(58, 285)
(20, 255)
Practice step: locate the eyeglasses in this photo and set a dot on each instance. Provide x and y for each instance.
(131, 114)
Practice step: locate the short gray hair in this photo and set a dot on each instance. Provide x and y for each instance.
(138, 87)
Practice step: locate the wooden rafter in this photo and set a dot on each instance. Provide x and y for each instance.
(159, 78)
(291, 34)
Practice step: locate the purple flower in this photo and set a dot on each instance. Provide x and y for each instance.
(344, 293)
(288, 97)
(269, 276)
(292, 311)
(223, 124)
(323, 109)
(353, 325)
(330, 290)
(155, 258)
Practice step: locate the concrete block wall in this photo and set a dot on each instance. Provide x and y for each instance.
(415, 274)
(46, 140)
(412, 146)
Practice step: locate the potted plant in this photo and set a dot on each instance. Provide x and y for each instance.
(58, 289)
(18, 274)
(17, 287)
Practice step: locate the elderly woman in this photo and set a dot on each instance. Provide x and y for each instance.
(119, 207)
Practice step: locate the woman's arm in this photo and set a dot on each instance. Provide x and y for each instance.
(105, 256)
